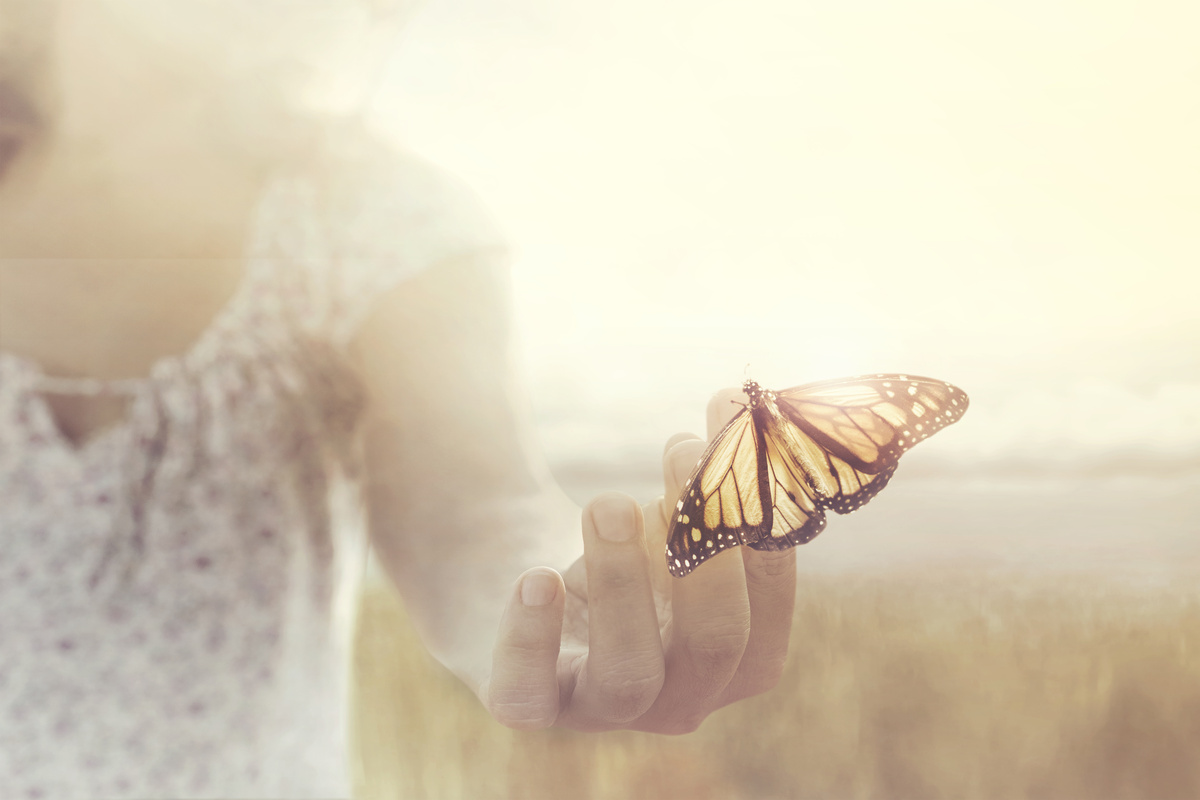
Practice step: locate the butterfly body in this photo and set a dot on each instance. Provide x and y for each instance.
(768, 477)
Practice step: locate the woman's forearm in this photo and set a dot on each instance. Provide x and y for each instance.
(455, 562)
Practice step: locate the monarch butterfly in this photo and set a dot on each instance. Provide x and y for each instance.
(767, 478)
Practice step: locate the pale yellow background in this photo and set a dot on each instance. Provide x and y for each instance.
(1003, 195)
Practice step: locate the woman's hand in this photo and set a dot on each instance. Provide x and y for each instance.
(461, 504)
(621, 644)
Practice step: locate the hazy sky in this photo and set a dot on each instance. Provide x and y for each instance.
(1002, 195)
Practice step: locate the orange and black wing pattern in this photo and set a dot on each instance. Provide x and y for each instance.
(768, 477)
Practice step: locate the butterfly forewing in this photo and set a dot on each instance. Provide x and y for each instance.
(869, 422)
(723, 500)
(770, 474)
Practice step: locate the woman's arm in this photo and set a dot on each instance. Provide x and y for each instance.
(460, 500)
(463, 512)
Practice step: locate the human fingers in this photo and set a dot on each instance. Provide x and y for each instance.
(623, 671)
(677, 438)
(710, 627)
(683, 450)
(711, 615)
(770, 589)
(522, 691)
(680, 456)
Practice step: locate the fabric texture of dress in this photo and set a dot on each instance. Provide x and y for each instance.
(177, 594)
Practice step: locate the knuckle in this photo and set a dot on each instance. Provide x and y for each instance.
(717, 649)
(626, 699)
(616, 577)
(769, 569)
(521, 650)
(527, 642)
(523, 714)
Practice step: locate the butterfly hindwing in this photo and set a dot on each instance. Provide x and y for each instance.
(797, 516)
(855, 488)
(768, 477)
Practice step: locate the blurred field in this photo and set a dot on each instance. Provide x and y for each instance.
(902, 683)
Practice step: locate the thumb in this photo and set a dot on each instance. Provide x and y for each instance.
(522, 691)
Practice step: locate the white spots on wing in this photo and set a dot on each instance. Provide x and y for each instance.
(865, 415)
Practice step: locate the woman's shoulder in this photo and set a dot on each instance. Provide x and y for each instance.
(341, 230)
(372, 192)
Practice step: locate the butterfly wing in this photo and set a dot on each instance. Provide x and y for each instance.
(768, 477)
(723, 502)
(863, 425)
(797, 515)
(746, 489)
(869, 422)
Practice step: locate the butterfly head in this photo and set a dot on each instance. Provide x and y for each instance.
(756, 393)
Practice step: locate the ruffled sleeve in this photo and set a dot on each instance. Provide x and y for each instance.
(360, 226)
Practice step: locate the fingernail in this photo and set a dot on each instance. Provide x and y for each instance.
(614, 520)
(538, 589)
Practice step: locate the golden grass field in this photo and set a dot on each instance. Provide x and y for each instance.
(919, 683)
